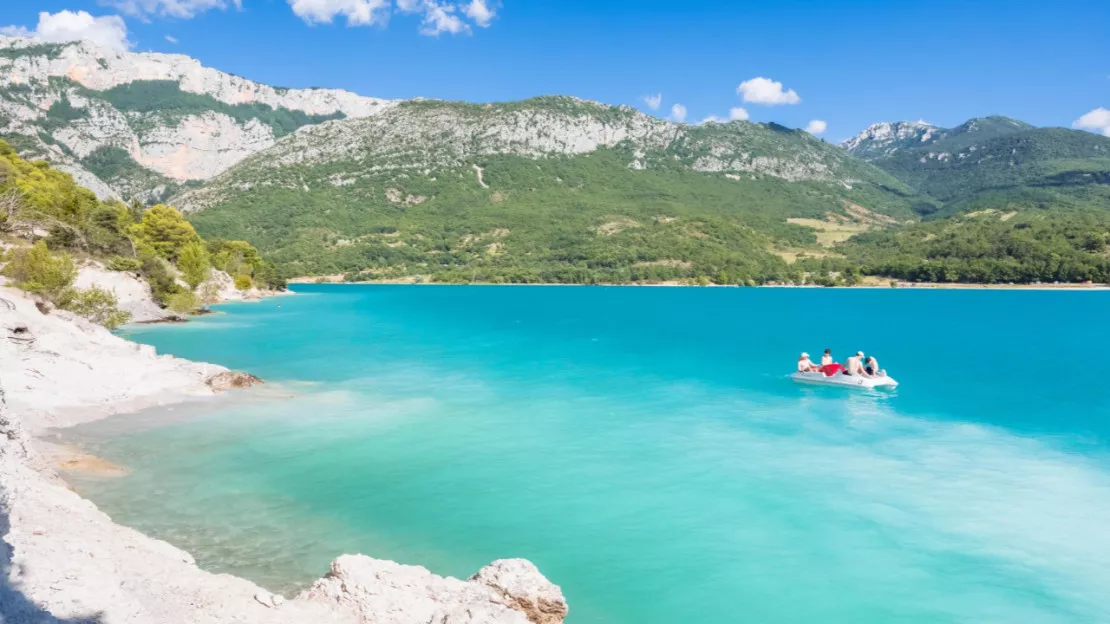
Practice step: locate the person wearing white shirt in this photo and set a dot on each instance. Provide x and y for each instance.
(805, 365)
(827, 358)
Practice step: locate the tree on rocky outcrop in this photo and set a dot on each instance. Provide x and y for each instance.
(97, 305)
(243, 281)
(208, 294)
(164, 231)
(194, 264)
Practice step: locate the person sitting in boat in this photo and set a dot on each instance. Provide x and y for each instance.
(854, 365)
(828, 366)
(806, 365)
(871, 366)
(827, 358)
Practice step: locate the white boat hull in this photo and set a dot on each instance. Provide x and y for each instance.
(840, 379)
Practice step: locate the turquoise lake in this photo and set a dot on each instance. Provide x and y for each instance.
(646, 449)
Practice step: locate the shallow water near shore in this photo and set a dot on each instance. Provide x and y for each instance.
(645, 448)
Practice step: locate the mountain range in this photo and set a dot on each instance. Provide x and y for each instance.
(551, 189)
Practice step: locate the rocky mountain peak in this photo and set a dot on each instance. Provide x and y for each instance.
(885, 138)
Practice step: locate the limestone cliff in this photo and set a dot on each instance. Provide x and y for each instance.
(141, 124)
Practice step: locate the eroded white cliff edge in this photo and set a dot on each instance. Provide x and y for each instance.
(63, 559)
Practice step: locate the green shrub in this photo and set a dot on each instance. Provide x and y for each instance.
(96, 304)
(38, 271)
(158, 274)
(182, 302)
(123, 263)
(243, 282)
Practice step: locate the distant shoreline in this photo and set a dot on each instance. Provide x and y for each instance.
(328, 280)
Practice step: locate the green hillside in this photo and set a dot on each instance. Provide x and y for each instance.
(456, 192)
(1000, 163)
(991, 247)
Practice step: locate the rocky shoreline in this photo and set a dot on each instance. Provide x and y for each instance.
(63, 560)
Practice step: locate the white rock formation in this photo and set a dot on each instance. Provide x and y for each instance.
(99, 68)
(885, 138)
(61, 558)
(508, 591)
(61, 370)
(132, 292)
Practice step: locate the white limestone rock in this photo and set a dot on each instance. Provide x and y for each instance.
(386, 592)
(132, 293)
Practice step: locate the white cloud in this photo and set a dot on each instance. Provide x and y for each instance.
(442, 18)
(816, 126)
(182, 9)
(108, 30)
(438, 17)
(734, 114)
(355, 12)
(766, 91)
(1097, 120)
(16, 31)
(678, 113)
(482, 12)
(653, 101)
(171, 39)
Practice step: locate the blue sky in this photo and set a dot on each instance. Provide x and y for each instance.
(850, 63)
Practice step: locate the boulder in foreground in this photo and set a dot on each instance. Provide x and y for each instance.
(507, 591)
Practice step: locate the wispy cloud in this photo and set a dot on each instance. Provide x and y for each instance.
(482, 12)
(734, 114)
(355, 12)
(1097, 120)
(653, 101)
(180, 9)
(171, 39)
(437, 17)
(678, 113)
(109, 30)
(441, 18)
(816, 126)
(766, 91)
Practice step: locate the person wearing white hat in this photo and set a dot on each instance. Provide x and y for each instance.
(854, 365)
(805, 365)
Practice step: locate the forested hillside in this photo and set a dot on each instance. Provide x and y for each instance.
(551, 190)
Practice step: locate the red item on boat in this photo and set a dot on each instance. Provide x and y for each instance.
(831, 369)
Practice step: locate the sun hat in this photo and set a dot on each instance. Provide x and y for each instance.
(859, 353)
(804, 354)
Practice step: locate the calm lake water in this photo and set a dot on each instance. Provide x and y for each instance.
(645, 448)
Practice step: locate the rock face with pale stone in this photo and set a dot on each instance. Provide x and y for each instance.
(507, 591)
(172, 148)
